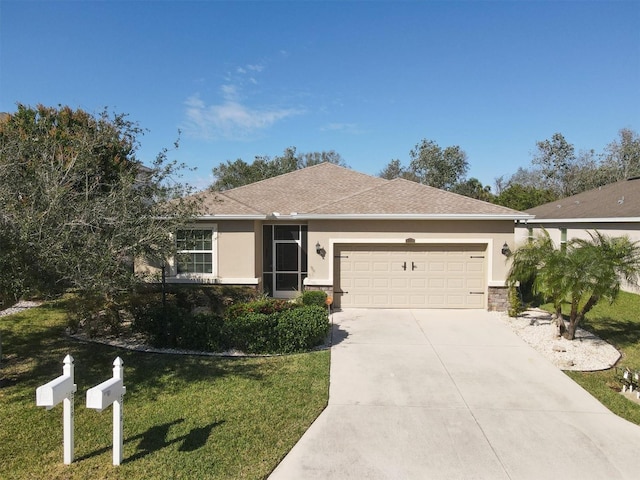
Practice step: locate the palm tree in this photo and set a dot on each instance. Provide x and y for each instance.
(596, 268)
(586, 272)
(539, 262)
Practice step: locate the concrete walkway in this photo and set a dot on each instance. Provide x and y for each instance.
(451, 394)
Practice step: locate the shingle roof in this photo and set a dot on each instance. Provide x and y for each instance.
(331, 190)
(401, 196)
(616, 200)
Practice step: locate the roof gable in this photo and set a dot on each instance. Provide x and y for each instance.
(616, 200)
(331, 190)
(404, 197)
(303, 190)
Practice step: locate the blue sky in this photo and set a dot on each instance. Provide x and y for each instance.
(368, 79)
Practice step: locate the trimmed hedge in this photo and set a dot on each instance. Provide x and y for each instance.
(314, 297)
(301, 329)
(265, 326)
(266, 306)
(251, 333)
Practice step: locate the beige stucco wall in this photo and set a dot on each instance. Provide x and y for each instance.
(236, 250)
(581, 230)
(329, 233)
(238, 245)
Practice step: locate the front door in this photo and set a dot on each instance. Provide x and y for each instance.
(287, 271)
(286, 259)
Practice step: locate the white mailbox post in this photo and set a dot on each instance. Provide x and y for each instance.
(103, 395)
(61, 389)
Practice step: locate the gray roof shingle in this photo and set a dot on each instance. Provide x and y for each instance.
(328, 189)
(616, 200)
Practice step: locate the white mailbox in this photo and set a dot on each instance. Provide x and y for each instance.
(111, 392)
(61, 389)
(103, 395)
(54, 392)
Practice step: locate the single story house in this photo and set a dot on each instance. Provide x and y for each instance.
(612, 209)
(366, 241)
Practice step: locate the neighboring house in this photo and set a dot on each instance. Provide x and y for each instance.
(613, 210)
(366, 241)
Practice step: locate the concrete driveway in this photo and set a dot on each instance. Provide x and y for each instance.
(452, 394)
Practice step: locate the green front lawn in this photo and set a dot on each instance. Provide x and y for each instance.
(618, 324)
(184, 416)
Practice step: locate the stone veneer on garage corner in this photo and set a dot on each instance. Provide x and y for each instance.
(498, 299)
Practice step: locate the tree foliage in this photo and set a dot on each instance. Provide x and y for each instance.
(76, 206)
(523, 197)
(622, 156)
(437, 167)
(556, 158)
(558, 170)
(580, 275)
(431, 165)
(473, 188)
(238, 173)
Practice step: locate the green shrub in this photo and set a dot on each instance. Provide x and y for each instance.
(314, 297)
(251, 333)
(516, 306)
(201, 331)
(94, 314)
(265, 306)
(162, 324)
(264, 326)
(301, 329)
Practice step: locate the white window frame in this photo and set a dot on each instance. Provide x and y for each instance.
(213, 228)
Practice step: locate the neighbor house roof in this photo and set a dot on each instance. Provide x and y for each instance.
(330, 191)
(618, 201)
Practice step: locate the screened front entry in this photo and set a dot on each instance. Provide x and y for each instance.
(284, 259)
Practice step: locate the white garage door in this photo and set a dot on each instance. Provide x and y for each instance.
(410, 276)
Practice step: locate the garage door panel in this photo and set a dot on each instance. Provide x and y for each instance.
(474, 283)
(437, 266)
(362, 267)
(382, 267)
(455, 266)
(455, 301)
(399, 283)
(411, 276)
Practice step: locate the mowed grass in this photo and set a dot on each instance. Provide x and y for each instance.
(618, 324)
(184, 416)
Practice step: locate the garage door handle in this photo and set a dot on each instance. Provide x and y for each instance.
(413, 266)
(404, 266)
(476, 293)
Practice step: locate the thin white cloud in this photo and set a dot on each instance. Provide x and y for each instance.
(351, 128)
(229, 92)
(230, 120)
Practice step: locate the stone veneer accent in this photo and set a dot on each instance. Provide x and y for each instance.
(498, 299)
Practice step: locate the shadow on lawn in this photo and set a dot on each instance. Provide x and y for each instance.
(621, 333)
(34, 348)
(155, 439)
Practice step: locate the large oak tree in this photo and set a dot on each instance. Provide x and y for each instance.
(77, 206)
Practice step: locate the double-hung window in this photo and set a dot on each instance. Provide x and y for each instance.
(195, 251)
